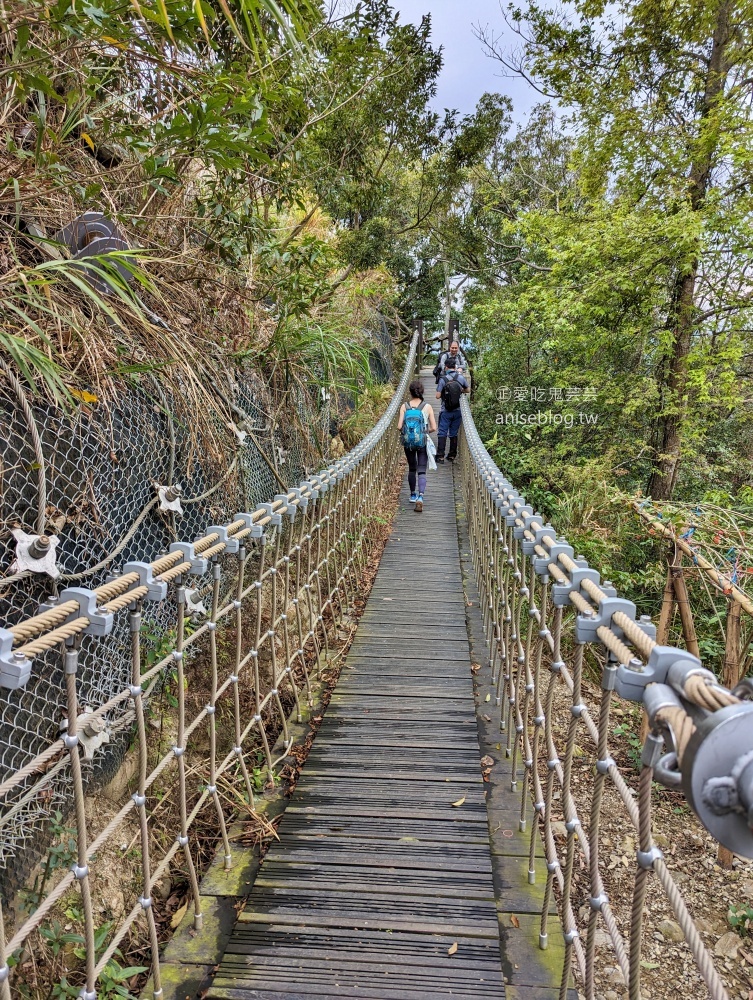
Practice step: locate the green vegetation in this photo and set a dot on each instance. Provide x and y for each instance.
(740, 919)
(604, 253)
(286, 185)
(275, 165)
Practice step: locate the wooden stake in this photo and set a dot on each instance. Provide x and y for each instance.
(731, 671)
(667, 605)
(662, 629)
(683, 606)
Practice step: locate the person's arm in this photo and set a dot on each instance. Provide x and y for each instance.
(432, 424)
(440, 386)
(400, 419)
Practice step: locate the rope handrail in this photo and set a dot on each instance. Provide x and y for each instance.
(700, 735)
(293, 564)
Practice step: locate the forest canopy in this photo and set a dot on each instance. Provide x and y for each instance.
(271, 166)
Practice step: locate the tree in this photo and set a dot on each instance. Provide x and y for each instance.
(660, 101)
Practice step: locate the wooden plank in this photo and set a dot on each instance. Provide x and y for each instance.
(377, 875)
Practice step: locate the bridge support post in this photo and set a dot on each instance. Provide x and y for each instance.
(418, 327)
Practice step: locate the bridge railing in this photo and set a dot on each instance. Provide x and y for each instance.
(279, 574)
(543, 607)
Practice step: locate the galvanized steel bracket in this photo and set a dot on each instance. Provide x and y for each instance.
(561, 591)
(198, 565)
(156, 589)
(511, 518)
(541, 564)
(231, 543)
(35, 553)
(274, 516)
(539, 534)
(15, 668)
(100, 621)
(586, 626)
(632, 682)
(169, 498)
(290, 508)
(255, 530)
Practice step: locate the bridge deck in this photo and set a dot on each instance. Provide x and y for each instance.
(381, 885)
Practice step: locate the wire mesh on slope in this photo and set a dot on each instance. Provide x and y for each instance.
(89, 481)
(271, 578)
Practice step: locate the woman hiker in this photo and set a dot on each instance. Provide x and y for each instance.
(416, 422)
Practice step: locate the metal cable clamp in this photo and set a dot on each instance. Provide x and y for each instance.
(561, 591)
(232, 544)
(255, 530)
(265, 509)
(156, 589)
(15, 668)
(290, 507)
(634, 678)
(188, 551)
(100, 621)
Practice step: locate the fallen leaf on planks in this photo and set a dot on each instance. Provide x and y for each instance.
(453, 948)
(459, 802)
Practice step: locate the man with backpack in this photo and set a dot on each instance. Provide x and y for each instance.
(449, 359)
(451, 386)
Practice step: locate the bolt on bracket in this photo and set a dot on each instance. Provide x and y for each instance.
(100, 621)
(35, 553)
(15, 668)
(187, 550)
(157, 589)
(169, 497)
(231, 543)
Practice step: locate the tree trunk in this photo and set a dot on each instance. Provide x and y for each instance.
(447, 307)
(680, 315)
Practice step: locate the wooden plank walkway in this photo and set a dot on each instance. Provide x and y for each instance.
(381, 887)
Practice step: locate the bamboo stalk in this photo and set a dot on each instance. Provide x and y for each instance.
(662, 629)
(667, 605)
(730, 589)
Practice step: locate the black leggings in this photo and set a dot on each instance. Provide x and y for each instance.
(417, 462)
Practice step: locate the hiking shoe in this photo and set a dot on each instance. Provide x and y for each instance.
(440, 459)
(451, 458)
(419, 504)
(413, 497)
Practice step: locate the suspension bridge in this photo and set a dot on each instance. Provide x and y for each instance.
(441, 840)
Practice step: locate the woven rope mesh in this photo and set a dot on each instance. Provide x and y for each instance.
(101, 470)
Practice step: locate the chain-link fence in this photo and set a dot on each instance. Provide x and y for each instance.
(273, 580)
(119, 480)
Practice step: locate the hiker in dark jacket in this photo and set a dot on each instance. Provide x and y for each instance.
(450, 388)
(415, 424)
(449, 359)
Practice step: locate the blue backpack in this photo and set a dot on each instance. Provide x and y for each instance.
(413, 433)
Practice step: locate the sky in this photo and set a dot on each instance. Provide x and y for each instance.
(468, 72)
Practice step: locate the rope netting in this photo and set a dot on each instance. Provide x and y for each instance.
(543, 607)
(239, 615)
(90, 483)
